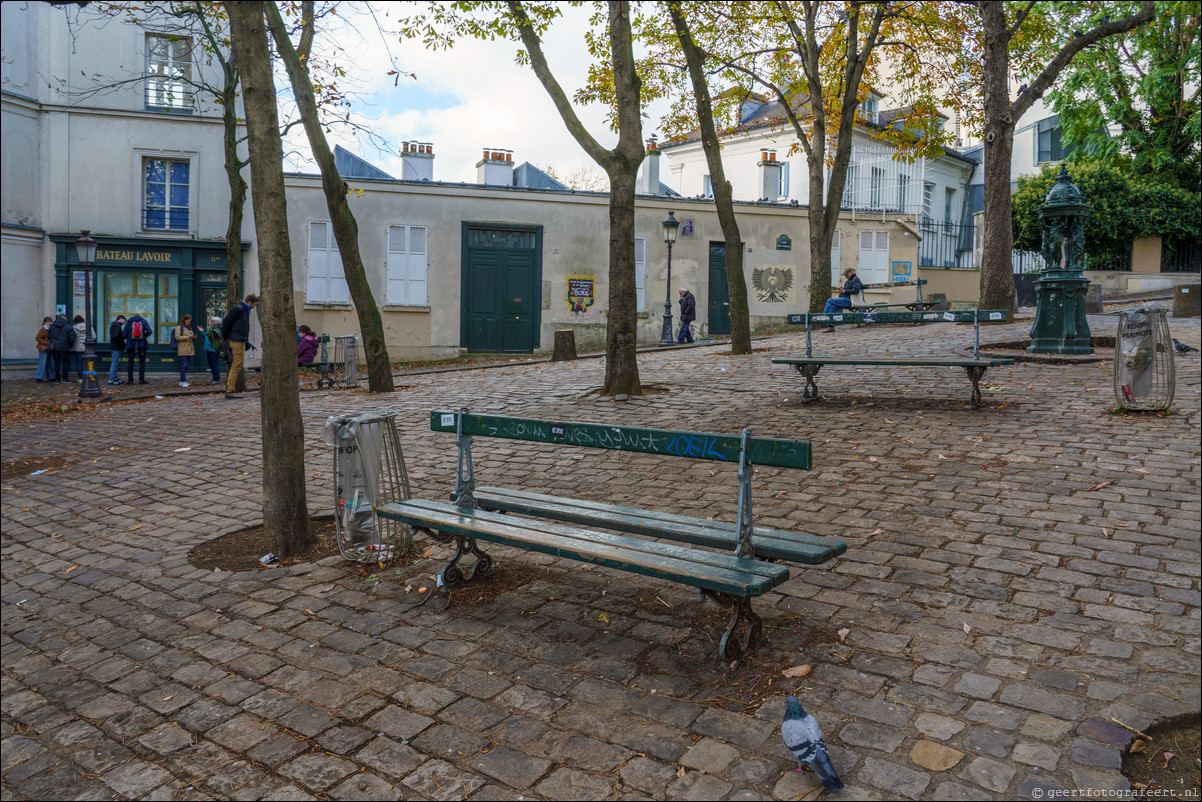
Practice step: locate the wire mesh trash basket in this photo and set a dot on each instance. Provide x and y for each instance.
(369, 470)
(346, 361)
(1145, 377)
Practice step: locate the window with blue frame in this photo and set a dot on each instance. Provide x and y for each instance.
(166, 195)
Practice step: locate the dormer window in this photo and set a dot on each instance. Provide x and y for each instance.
(870, 109)
(169, 73)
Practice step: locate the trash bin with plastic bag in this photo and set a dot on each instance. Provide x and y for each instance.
(369, 470)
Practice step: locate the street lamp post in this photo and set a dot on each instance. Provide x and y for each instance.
(85, 254)
(670, 224)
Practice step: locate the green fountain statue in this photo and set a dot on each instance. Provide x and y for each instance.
(1060, 326)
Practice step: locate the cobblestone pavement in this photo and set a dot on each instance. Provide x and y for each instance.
(1018, 577)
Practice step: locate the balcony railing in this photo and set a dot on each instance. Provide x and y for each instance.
(160, 218)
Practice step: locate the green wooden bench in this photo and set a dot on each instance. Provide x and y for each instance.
(566, 527)
(810, 365)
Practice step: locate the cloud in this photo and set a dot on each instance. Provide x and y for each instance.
(465, 99)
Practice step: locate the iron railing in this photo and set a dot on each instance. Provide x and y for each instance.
(945, 244)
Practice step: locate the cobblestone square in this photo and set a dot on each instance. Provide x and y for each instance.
(1019, 577)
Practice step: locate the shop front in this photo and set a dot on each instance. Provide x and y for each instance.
(161, 280)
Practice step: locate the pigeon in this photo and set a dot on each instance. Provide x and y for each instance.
(804, 739)
(1181, 347)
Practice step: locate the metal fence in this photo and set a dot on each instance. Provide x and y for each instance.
(945, 244)
(1032, 261)
(1181, 257)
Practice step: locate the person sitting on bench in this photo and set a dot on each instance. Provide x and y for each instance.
(852, 286)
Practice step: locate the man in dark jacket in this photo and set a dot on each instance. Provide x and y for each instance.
(62, 337)
(852, 286)
(116, 346)
(137, 336)
(688, 313)
(235, 330)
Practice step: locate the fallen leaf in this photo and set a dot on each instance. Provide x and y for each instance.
(185, 448)
(423, 590)
(326, 589)
(168, 698)
(1100, 485)
(1137, 746)
(139, 526)
(843, 633)
(603, 618)
(942, 457)
(877, 532)
(1165, 757)
(69, 570)
(967, 628)
(798, 671)
(680, 772)
(408, 588)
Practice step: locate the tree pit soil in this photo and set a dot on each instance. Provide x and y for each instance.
(1181, 774)
(241, 550)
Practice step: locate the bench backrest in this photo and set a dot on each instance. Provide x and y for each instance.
(959, 316)
(698, 445)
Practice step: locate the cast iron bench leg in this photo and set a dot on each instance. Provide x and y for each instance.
(734, 644)
(452, 576)
(810, 391)
(974, 374)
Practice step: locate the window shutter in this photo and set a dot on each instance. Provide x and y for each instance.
(340, 293)
(319, 269)
(640, 273)
(783, 190)
(836, 256)
(407, 266)
(394, 284)
(418, 266)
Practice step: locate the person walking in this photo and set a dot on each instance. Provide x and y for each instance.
(62, 338)
(214, 347)
(185, 349)
(80, 345)
(852, 286)
(116, 346)
(688, 313)
(43, 342)
(235, 330)
(137, 333)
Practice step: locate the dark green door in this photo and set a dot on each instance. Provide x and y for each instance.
(719, 293)
(500, 290)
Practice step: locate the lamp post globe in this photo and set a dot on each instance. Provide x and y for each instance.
(85, 255)
(670, 225)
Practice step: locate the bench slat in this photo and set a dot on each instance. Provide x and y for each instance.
(768, 543)
(959, 316)
(716, 572)
(900, 361)
(699, 445)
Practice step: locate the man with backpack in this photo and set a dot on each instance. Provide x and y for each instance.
(137, 332)
(62, 339)
(235, 330)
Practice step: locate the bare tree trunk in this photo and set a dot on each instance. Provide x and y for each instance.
(997, 272)
(621, 165)
(233, 174)
(342, 219)
(736, 283)
(621, 333)
(285, 510)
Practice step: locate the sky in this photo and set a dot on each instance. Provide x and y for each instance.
(466, 99)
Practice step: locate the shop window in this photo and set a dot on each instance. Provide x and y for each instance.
(168, 308)
(167, 190)
(127, 294)
(169, 73)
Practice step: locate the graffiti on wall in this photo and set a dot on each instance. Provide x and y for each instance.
(772, 284)
(582, 293)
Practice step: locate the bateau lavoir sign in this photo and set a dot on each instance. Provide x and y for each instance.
(127, 256)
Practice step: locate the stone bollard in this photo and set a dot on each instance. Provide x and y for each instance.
(1187, 301)
(1093, 300)
(565, 345)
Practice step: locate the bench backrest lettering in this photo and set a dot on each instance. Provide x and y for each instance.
(959, 316)
(698, 445)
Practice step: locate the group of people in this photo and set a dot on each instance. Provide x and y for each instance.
(224, 339)
(57, 340)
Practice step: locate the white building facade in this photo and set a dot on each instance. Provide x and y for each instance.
(102, 130)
